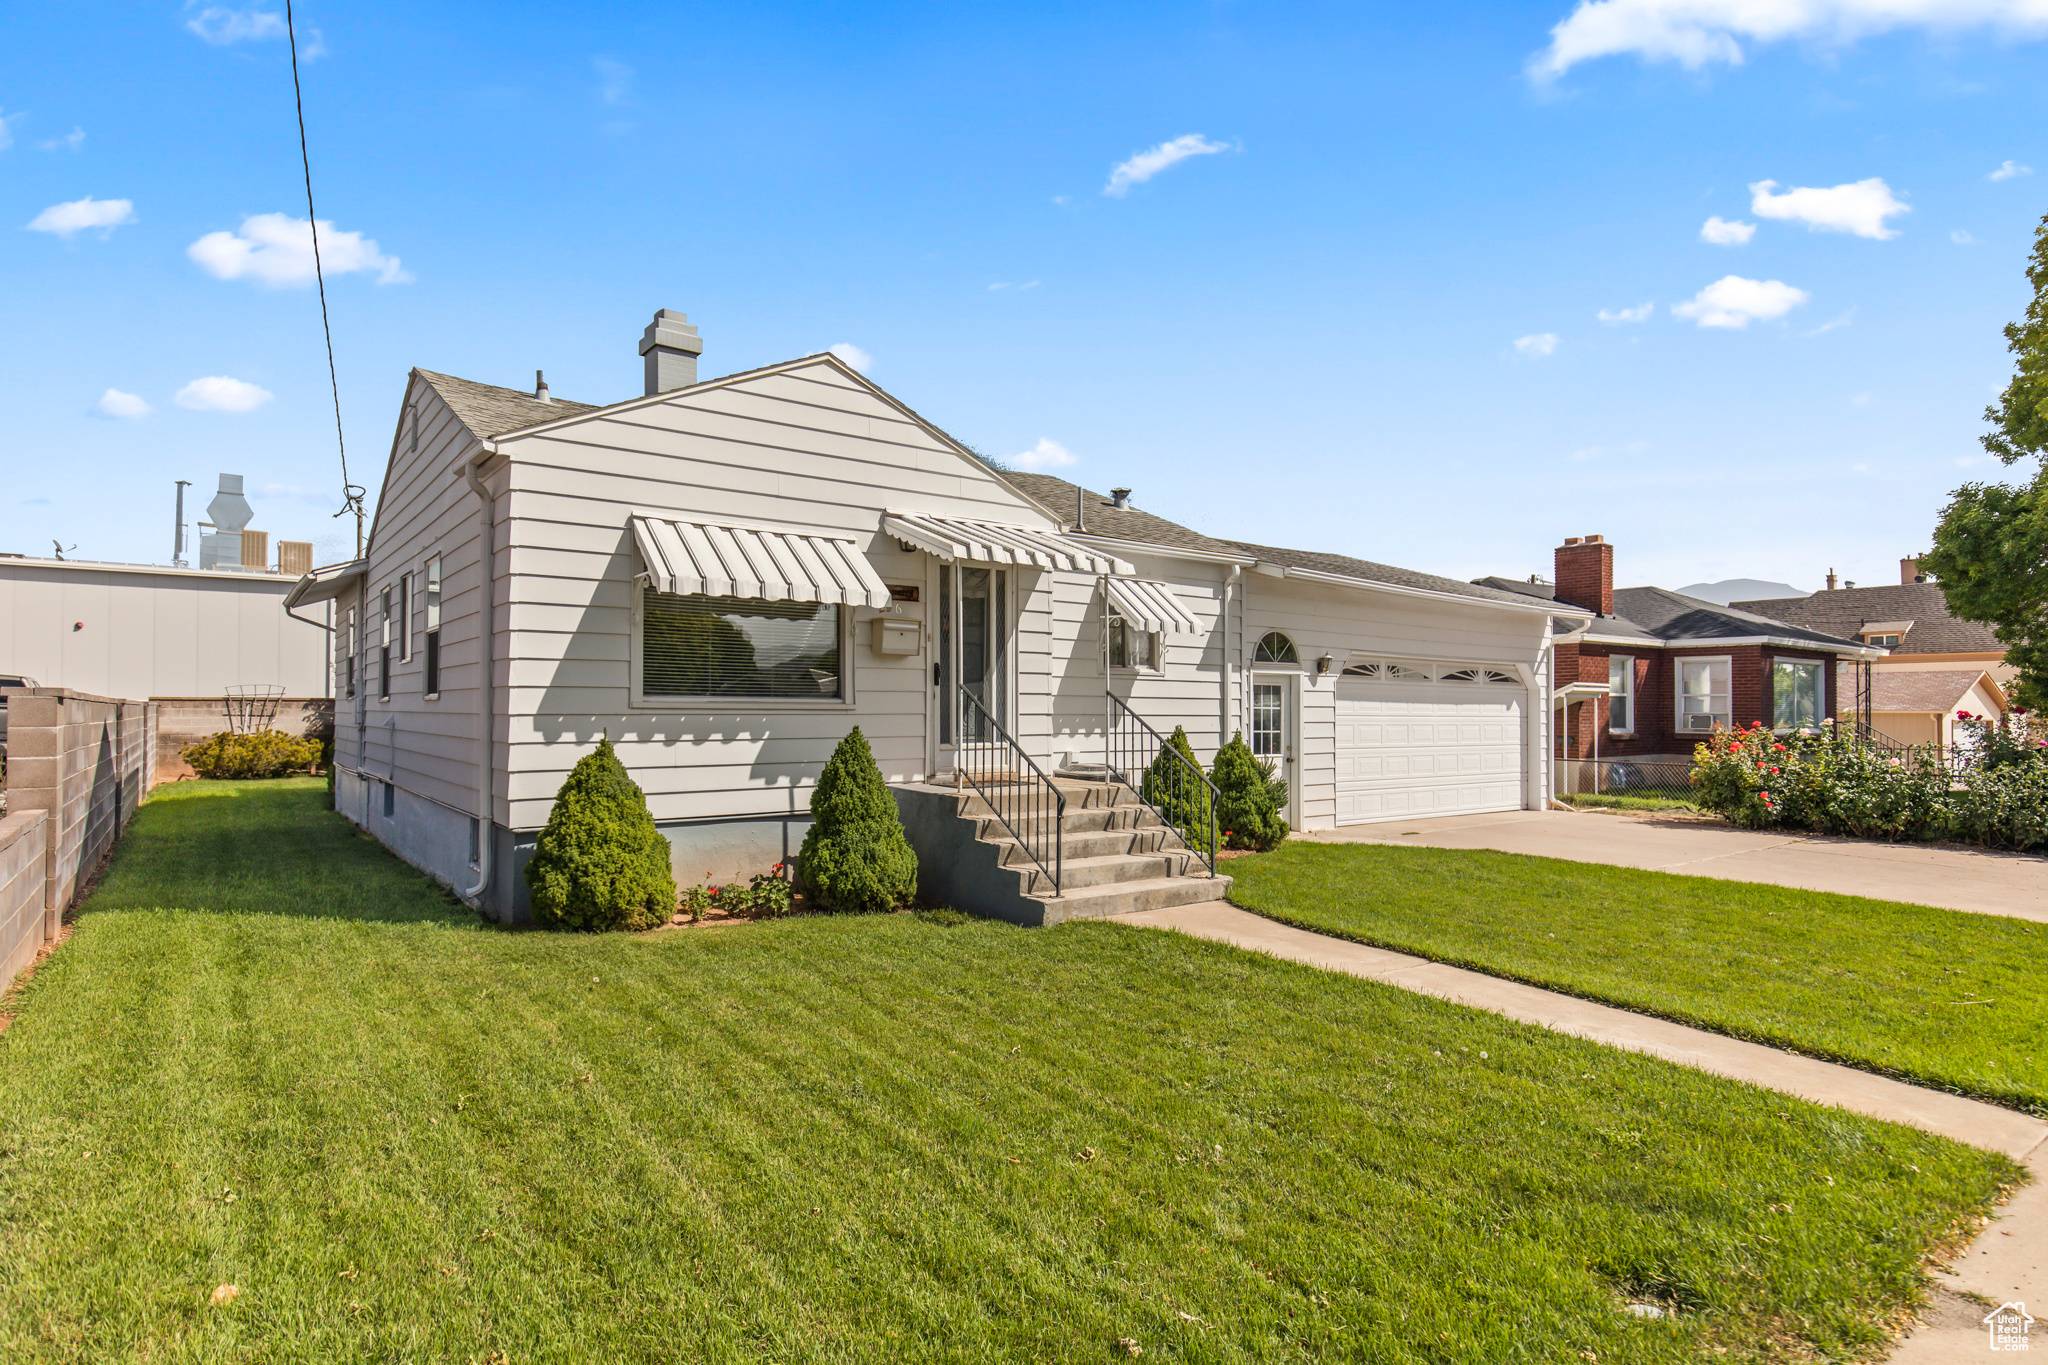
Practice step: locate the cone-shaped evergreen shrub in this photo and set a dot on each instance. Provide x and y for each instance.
(1177, 790)
(855, 857)
(1249, 798)
(600, 863)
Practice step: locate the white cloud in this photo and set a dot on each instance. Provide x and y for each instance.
(275, 250)
(1832, 323)
(1733, 301)
(1006, 284)
(1721, 232)
(219, 25)
(1047, 454)
(82, 215)
(1695, 33)
(2010, 170)
(1860, 207)
(1144, 165)
(853, 355)
(1539, 345)
(1961, 238)
(70, 142)
(614, 80)
(1640, 313)
(218, 393)
(114, 403)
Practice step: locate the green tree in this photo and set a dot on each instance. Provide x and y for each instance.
(1249, 799)
(855, 857)
(1176, 789)
(600, 863)
(1991, 547)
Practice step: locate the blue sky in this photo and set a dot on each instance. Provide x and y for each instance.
(1298, 323)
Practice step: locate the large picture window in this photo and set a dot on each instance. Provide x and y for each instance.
(697, 646)
(1795, 695)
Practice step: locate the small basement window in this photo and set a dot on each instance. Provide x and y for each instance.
(693, 646)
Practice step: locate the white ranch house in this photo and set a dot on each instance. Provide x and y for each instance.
(727, 576)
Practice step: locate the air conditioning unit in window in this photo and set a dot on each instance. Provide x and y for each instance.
(1699, 722)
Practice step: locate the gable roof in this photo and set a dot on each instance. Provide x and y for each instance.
(1937, 689)
(1845, 611)
(488, 410)
(1104, 518)
(1344, 566)
(1659, 616)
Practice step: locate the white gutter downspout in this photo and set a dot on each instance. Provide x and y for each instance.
(485, 778)
(1229, 670)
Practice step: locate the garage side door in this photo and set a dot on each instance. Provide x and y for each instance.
(1415, 740)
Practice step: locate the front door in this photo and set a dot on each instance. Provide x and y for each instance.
(973, 644)
(1272, 737)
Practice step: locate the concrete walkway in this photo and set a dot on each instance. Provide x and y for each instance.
(1977, 880)
(2009, 1262)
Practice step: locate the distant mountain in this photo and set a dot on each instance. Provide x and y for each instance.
(1741, 590)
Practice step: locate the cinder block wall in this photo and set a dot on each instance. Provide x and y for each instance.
(24, 852)
(83, 762)
(187, 720)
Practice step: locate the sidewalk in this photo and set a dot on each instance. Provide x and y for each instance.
(1978, 880)
(2009, 1262)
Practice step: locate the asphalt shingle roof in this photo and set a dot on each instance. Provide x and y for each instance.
(488, 410)
(1844, 611)
(1660, 616)
(1347, 567)
(1939, 689)
(1105, 519)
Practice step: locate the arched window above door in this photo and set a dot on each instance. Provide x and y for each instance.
(1275, 648)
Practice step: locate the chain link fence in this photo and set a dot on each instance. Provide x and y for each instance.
(1654, 783)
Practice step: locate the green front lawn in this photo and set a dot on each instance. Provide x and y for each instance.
(1947, 999)
(271, 1057)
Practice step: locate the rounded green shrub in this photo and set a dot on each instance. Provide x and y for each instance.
(600, 863)
(1249, 798)
(266, 753)
(855, 857)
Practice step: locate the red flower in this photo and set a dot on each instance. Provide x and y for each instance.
(1779, 748)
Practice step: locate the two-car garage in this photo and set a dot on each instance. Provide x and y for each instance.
(1416, 738)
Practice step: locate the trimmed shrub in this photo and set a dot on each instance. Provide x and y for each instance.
(855, 857)
(2005, 806)
(1249, 799)
(600, 863)
(267, 753)
(1175, 789)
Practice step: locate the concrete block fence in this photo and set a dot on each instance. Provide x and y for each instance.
(77, 767)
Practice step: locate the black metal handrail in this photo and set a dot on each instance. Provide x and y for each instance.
(1022, 798)
(1177, 790)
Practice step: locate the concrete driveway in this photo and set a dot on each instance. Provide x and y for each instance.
(1953, 878)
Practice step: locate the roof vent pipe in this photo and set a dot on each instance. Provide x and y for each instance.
(670, 346)
(1119, 497)
(540, 387)
(1080, 509)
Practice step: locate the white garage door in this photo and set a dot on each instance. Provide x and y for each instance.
(1427, 739)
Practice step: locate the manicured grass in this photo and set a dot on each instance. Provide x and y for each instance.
(1947, 999)
(270, 1057)
(1609, 801)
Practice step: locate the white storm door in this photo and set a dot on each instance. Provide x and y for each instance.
(1273, 734)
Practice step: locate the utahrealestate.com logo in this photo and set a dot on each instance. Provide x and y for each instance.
(2008, 1325)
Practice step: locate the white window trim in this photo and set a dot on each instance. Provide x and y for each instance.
(1157, 667)
(1820, 701)
(726, 706)
(1725, 719)
(1628, 673)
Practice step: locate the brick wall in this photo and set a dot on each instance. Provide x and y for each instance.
(1749, 695)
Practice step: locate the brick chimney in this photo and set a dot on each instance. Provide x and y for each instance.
(1585, 573)
(1909, 571)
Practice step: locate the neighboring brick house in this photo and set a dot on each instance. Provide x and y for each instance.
(1658, 671)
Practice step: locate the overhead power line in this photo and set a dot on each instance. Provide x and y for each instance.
(351, 495)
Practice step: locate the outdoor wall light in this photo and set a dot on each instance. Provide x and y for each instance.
(1323, 665)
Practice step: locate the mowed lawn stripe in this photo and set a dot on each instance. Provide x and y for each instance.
(1942, 998)
(403, 1135)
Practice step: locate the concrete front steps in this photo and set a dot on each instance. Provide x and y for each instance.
(1117, 856)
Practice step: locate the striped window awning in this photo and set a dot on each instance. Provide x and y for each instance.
(1151, 605)
(995, 542)
(737, 561)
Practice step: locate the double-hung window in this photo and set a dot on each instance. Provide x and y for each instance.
(405, 618)
(1130, 646)
(699, 647)
(1621, 694)
(1795, 694)
(432, 610)
(348, 664)
(384, 645)
(1703, 694)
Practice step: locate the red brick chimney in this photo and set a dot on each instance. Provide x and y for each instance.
(1585, 573)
